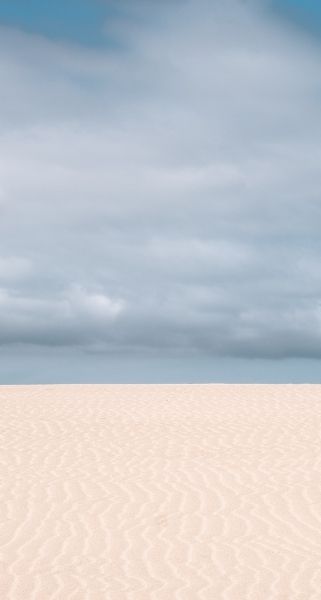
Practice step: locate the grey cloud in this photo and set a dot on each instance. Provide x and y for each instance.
(73, 316)
(14, 268)
(176, 181)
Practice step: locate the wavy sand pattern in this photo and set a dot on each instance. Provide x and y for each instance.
(149, 492)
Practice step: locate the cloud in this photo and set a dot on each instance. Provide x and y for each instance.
(96, 306)
(75, 316)
(174, 177)
(13, 268)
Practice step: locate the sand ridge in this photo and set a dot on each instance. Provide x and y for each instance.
(160, 492)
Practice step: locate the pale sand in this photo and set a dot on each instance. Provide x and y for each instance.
(161, 492)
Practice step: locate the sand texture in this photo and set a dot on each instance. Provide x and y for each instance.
(149, 492)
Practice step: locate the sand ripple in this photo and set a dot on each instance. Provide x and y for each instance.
(174, 492)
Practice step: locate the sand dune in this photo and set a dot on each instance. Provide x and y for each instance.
(155, 492)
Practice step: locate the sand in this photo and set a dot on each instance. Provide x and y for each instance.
(173, 492)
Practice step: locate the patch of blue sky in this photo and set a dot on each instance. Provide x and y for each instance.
(303, 13)
(80, 21)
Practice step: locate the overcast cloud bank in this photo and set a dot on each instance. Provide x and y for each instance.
(163, 197)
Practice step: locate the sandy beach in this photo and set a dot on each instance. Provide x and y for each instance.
(160, 492)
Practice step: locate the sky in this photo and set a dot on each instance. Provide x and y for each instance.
(160, 191)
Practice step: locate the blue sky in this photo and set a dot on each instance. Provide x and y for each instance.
(160, 208)
(305, 14)
(83, 21)
(78, 20)
(310, 8)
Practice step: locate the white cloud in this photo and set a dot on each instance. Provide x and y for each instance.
(97, 306)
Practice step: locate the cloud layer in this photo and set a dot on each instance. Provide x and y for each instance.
(163, 197)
